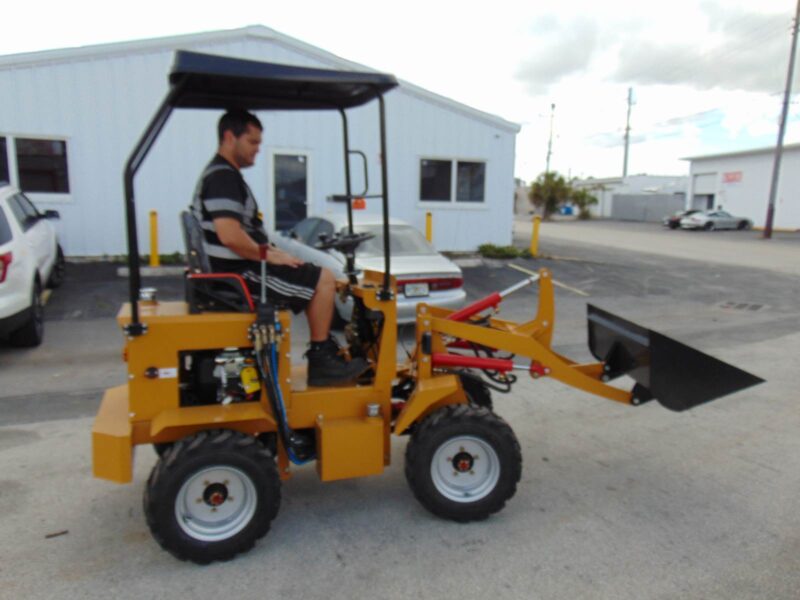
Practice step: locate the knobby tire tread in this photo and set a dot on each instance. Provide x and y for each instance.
(213, 442)
(419, 452)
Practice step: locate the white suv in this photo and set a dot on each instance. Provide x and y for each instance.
(30, 259)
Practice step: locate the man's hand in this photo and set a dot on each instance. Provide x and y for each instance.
(235, 238)
(276, 256)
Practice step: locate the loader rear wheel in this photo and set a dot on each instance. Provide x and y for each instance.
(212, 496)
(463, 463)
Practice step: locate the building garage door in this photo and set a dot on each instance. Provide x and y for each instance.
(645, 207)
(704, 187)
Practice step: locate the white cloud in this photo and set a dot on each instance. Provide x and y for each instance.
(687, 60)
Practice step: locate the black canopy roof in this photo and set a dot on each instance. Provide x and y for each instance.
(209, 81)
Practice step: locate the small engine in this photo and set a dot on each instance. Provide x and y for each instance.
(220, 376)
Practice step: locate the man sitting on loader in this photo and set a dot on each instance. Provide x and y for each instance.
(234, 234)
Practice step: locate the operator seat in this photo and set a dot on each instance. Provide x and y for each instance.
(207, 291)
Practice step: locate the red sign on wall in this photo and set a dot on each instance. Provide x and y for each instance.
(732, 177)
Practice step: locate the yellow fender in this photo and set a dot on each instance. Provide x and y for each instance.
(429, 395)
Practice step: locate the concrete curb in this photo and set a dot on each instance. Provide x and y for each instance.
(154, 271)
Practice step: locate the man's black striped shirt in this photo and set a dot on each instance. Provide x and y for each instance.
(222, 192)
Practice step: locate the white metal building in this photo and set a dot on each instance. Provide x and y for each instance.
(605, 188)
(70, 118)
(739, 182)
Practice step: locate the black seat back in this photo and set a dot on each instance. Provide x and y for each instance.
(193, 238)
(220, 293)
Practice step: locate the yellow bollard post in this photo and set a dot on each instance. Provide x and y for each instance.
(535, 237)
(429, 227)
(155, 260)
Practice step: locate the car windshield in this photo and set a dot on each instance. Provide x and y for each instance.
(404, 240)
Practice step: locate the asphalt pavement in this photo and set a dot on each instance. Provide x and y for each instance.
(615, 502)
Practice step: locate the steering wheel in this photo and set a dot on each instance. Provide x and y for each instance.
(344, 243)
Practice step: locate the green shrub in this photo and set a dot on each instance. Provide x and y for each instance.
(176, 258)
(492, 251)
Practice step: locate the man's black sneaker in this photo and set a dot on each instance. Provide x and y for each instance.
(326, 366)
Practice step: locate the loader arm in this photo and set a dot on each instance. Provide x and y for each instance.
(678, 376)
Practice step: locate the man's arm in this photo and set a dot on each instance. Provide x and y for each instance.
(233, 237)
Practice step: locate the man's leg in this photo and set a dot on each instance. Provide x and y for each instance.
(326, 366)
(320, 309)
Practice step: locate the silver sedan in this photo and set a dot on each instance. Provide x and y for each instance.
(423, 274)
(715, 219)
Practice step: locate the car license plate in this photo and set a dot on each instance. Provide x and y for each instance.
(415, 290)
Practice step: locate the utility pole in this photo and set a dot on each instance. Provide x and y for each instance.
(628, 132)
(550, 141)
(776, 165)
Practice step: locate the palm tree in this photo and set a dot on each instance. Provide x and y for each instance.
(549, 191)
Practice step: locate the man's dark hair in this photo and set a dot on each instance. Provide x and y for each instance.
(236, 121)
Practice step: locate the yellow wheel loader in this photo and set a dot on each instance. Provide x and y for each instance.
(211, 385)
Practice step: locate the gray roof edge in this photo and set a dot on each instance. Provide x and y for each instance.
(80, 53)
(763, 150)
(435, 98)
(622, 179)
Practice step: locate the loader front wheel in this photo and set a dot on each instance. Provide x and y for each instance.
(463, 463)
(212, 496)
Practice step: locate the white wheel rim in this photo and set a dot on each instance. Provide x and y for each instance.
(465, 469)
(215, 504)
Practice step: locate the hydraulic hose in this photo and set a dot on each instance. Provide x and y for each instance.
(263, 333)
(267, 370)
(294, 443)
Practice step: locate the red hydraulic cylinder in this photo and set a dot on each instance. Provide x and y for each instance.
(476, 307)
(472, 362)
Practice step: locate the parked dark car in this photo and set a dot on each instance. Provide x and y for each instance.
(674, 221)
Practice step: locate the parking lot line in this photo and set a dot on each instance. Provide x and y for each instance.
(555, 282)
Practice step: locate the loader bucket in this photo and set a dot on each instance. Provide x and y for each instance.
(676, 375)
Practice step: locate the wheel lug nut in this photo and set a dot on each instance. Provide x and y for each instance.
(230, 498)
(455, 473)
(206, 483)
(199, 500)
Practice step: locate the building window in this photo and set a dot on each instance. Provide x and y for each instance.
(470, 182)
(452, 180)
(435, 180)
(42, 165)
(3, 160)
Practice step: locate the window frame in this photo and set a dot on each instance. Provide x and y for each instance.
(453, 203)
(5, 144)
(13, 167)
(450, 190)
(457, 163)
(273, 151)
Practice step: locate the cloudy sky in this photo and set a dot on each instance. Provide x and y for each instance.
(707, 75)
